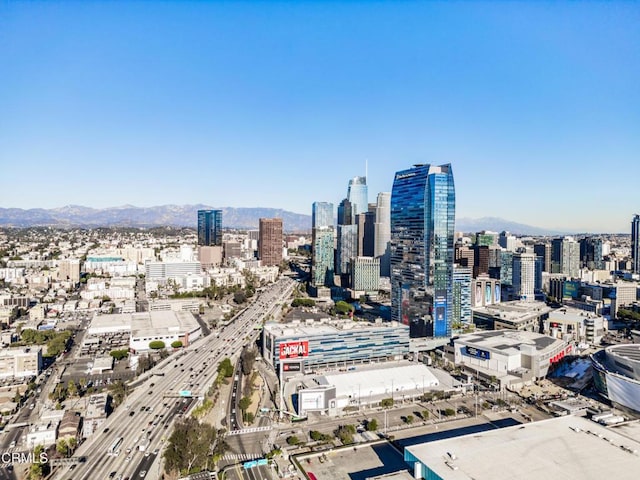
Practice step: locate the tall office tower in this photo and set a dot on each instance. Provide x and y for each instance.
(464, 255)
(507, 241)
(461, 295)
(345, 213)
(366, 232)
(480, 260)
(382, 232)
(543, 250)
(537, 286)
(506, 268)
(565, 256)
(422, 236)
(322, 215)
(365, 272)
(209, 227)
(358, 195)
(524, 275)
(347, 249)
(635, 244)
(591, 253)
(270, 241)
(322, 257)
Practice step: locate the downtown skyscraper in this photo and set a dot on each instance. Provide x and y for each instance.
(322, 239)
(358, 195)
(635, 244)
(422, 250)
(209, 227)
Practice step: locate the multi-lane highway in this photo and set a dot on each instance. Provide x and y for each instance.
(147, 416)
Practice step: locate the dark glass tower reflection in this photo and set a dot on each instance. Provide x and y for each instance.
(209, 227)
(422, 252)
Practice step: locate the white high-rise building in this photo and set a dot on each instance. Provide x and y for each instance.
(523, 276)
(383, 232)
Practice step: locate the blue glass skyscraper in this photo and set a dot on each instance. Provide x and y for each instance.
(422, 252)
(321, 214)
(209, 227)
(358, 195)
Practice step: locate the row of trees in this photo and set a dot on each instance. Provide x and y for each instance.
(57, 342)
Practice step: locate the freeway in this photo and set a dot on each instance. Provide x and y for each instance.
(149, 412)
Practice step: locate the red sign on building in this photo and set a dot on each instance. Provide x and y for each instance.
(294, 350)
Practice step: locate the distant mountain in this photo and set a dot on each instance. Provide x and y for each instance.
(495, 224)
(130, 216)
(186, 216)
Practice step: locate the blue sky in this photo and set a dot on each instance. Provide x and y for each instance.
(278, 104)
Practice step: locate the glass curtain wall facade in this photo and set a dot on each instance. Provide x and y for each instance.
(322, 257)
(635, 243)
(322, 214)
(358, 195)
(209, 227)
(422, 249)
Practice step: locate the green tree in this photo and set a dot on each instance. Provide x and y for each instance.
(176, 344)
(408, 419)
(62, 448)
(226, 368)
(424, 414)
(119, 354)
(372, 425)
(386, 402)
(248, 358)
(293, 440)
(38, 468)
(72, 388)
(72, 443)
(345, 433)
(239, 297)
(343, 307)
(119, 391)
(244, 403)
(156, 344)
(191, 447)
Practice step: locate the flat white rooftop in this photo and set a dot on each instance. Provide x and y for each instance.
(566, 448)
(509, 341)
(374, 382)
(313, 328)
(144, 323)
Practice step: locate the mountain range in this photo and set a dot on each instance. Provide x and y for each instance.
(186, 216)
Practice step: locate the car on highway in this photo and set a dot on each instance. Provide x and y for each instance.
(143, 473)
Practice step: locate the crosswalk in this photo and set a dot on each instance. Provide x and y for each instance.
(242, 456)
(249, 430)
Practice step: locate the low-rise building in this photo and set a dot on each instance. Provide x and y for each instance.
(20, 362)
(512, 358)
(70, 425)
(95, 415)
(518, 315)
(329, 342)
(44, 434)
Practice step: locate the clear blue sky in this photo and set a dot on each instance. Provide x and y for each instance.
(278, 104)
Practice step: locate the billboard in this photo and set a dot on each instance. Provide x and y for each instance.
(487, 294)
(476, 352)
(404, 305)
(291, 366)
(478, 297)
(311, 400)
(440, 314)
(570, 289)
(496, 292)
(294, 349)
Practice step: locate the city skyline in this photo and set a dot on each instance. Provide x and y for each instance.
(534, 105)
